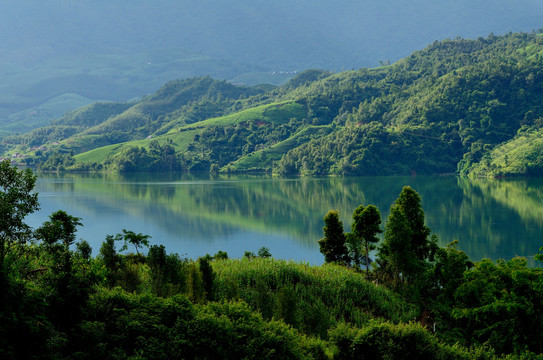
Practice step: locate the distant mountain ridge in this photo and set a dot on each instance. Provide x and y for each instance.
(443, 109)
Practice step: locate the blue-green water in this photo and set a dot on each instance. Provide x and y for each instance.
(194, 215)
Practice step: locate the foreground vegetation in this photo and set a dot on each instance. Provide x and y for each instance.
(416, 300)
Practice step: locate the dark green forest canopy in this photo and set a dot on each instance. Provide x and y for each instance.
(452, 107)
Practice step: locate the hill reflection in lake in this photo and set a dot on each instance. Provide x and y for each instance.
(195, 215)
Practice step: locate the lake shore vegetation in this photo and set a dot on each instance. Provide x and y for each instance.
(134, 300)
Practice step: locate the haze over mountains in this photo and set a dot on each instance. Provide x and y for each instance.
(58, 55)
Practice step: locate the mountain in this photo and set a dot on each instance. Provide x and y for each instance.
(450, 107)
(120, 50)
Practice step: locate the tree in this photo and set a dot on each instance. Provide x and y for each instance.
(109, 256)
(195, 285)
(222, 255)
(156, 259)
(396, 257)
(364, 232)
(60, 227)
(208, 277)
(332, 246)
(264, 252)
(138, 240)
(84, 249)
(406, 249)
(16, 202)
(409, 202)
(499, 304)
(68, 292)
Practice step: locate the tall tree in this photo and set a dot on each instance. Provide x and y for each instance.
(364, 230)
(16, 202)
(409, 202)
(208, 277)
(332, 246)
(68, 292)
(406, 249)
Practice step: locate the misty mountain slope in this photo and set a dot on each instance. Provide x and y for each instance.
(177, 102)
(115, 51)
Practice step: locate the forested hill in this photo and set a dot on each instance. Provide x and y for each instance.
(473, 106)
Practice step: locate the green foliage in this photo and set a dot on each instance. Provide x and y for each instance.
(137, 240)
(16, 202)
(208, 278)
(156, 158)
(249, 254)
(324, 294)
(84, 249)
(332, 245)
(141, 324)
(498, 304)
(446, 276)
(168, 271)
(61, 304)
(195, 285)
(519, 156)
(363, 236)
(403, 341)
(264, 252)
(406, 249)
(110, 258)
(539, 256)
(221, 255)
(60, 227)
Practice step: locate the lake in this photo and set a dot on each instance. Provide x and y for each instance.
(197, 214)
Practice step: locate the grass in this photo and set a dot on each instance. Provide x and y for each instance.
(325, 295)
(98, 155)
(276, 113)
(513, 157)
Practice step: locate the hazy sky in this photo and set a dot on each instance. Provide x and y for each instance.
(296, 33)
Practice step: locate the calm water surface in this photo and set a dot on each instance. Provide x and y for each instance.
(194, 215)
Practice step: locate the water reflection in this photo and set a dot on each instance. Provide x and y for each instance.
(194, 215)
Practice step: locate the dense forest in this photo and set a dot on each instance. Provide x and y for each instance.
(134, 300)
(466, 106)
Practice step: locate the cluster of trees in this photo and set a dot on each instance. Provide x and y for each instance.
(156, 158)
(60, 302)
(486, 303)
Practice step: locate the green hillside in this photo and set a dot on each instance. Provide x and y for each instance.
(443, 109)
(519, 156)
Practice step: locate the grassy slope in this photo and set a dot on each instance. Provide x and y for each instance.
(339, 293)
(514, 157)
(259, 160)
(277, 113)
